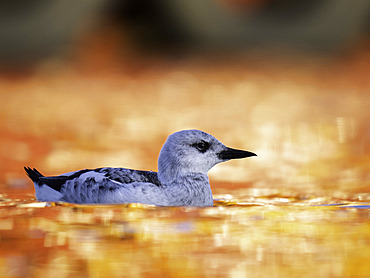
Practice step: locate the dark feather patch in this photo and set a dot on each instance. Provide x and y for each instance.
(127, 176)
(201, 146)
(77, 174)
(33, 174)
(57, 182)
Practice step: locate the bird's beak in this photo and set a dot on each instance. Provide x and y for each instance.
(230, 153)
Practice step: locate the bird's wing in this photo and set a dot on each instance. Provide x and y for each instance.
(94, 185)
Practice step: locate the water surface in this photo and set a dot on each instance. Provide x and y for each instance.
(264, 236)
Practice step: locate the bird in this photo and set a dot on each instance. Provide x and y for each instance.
(183, 164)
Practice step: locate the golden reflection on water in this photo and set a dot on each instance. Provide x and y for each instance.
(269, 236)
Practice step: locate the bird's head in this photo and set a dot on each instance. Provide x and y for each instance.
(193, 151)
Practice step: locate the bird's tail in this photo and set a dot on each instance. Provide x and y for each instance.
(33, 174)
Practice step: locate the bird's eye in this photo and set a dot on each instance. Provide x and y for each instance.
(202, 146)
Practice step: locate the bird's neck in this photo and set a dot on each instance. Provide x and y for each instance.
(171, 170)
(184, 184)
(172, 175)
(191, 189)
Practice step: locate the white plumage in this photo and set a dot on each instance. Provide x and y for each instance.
(183, 164)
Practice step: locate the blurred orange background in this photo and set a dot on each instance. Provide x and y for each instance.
(103, 97)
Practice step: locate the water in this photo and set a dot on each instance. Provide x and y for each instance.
(265, 236)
